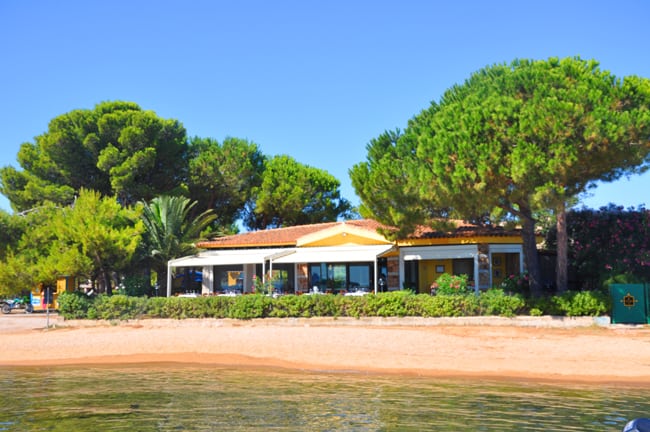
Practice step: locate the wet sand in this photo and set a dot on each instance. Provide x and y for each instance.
(545, 349)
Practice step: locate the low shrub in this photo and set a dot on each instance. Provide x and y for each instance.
(119, 307)
(354, 307)
(218, 306)
(156, 307)
(293, 306)
(571, 303)
(74, 305)
(516, 284)
(390, 304)
(542, 306)
(496, 302)
(326, 305)
(582, 303)
(450, 284)
(250, 306)
(454, 305)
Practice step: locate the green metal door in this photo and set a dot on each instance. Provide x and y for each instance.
(629, 303)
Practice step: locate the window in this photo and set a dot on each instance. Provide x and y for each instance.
(283, 276)
(336, 276)
(464, 266)
(318, 276)
(229, 279)
(411, 275)
(359, 277)
(340, 277)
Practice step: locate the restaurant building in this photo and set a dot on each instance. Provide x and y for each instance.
(351, 257)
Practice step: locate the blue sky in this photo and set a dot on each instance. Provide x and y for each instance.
(315, 80)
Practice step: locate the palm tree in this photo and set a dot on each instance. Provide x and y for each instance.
(170, 233)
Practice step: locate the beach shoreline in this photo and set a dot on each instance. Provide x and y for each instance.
(544, 349)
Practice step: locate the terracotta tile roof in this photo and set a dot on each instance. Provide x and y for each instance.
(463, 229)
(287, 237)
(281, 236)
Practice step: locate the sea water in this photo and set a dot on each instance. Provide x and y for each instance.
(187, 398)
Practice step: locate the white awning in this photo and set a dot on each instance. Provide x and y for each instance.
(278, 255)
(228, 257)
(329, 254)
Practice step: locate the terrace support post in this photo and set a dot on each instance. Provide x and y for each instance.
(169, 280)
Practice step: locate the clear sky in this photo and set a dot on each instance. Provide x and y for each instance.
(313, 79)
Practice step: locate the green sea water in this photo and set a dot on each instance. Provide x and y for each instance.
(187, 398)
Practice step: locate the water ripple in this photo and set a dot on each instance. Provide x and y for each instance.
(173, 398)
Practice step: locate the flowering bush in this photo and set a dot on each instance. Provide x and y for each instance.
(516, 283)
(607, 242)
(450, 284)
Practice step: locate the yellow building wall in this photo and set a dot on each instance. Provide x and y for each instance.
(347, 238)
(430, 270)
(63, 284)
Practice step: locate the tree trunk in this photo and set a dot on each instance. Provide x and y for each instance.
(107, 282)
(561, 277)
(161, 277)
(531, 258)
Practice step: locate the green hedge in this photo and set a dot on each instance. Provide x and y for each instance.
(572, 303)
(392, 304)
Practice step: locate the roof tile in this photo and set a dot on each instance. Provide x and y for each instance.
(289, 236)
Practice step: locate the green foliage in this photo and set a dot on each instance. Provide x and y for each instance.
(170, 231)
(295, 194)
(384, 183)
(386, 305)
(623, 278)
(498, 302)
(218, 306)
(326, 305)
(513, 140)
(136, 286)
(544, 305)
(27, 262)
(157, 307)
(16, 273)
(11, 230)
(450, 284)
(582, 303)
(452, 305)
(75, 305)
(494, 302)
(608, 244)
(94, 237)
(571, 303)
(291, 306)
(516, 283)
(119, 307)
(251, 306)
(265, 287)
(172, 307)
(116, 149)
(222, 177)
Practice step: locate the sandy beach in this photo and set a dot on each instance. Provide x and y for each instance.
(543, 349)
